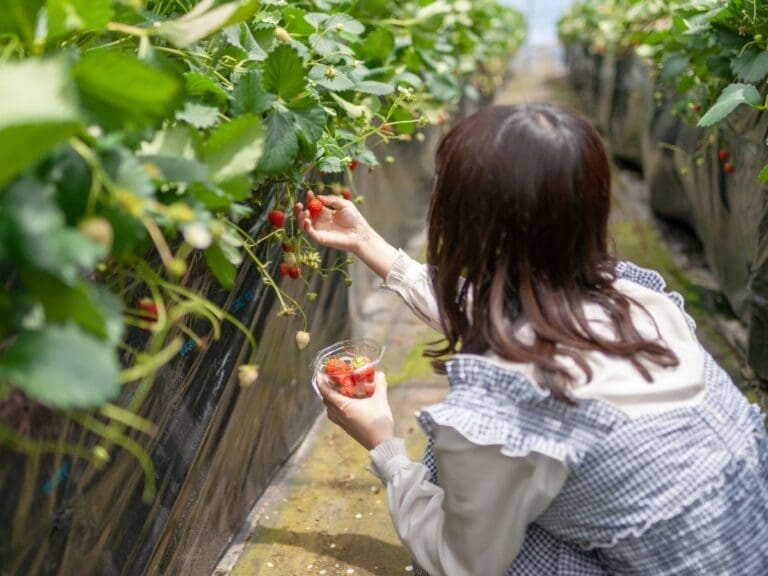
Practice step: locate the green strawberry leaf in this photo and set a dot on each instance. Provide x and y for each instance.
(39, 110)
(309, 118)
(62, 367)
(336, 81)
(249, 97)
(377, 88)
(204, 19)
(198, 115)
(751, 66)
(234, 148)
(38, 235)
(93, 307)
(315, 19)
(205, 88)
(221, 268)
(20, 17)
(379, 45)
(131, 93)
(733, 96)
(295, 21)
(344, 23)
(68, 16)
(323, 45)
(282, 144)
(284, 73)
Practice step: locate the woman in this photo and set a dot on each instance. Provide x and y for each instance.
(586, 430)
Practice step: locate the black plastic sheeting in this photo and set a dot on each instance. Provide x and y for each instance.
(686, 178)
(218, 444)
(217, 448)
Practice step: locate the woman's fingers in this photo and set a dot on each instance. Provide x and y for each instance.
(381, 385)
(331, 397)
(335, 202)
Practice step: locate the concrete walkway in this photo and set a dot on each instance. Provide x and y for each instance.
(325, 514)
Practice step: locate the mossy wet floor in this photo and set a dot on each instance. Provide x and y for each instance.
(328, 516)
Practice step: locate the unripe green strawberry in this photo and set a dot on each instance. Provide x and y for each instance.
(99, 230)
(302, 339)
(282, 35)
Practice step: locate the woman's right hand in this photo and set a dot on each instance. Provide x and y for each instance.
(339, 226)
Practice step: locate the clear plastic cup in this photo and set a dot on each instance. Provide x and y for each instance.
(354, 373)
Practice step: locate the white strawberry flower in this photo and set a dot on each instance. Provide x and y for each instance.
(197, 235)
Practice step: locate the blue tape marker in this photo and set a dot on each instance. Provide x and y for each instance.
(189, 345)
(237, 305)
(56, 479)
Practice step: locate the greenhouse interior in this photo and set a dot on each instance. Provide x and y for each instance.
(357, 287)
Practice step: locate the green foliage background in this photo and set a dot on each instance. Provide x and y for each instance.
(135, 128)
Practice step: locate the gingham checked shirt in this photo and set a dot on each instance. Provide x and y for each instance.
(499, 481)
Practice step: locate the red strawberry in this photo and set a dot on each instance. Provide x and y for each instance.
(148, 309)
(723, 155)
(277, 218)
(364, 375)
(354, 164)
(294, 272)
(315, 207)
(284, 269)
(347, 387)
(729, 168)
(337, 369)
(287, 247)
(346, 193)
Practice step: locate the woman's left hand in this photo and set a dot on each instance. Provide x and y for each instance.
(367, 420)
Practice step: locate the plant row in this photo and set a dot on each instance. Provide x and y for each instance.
(138, 136)
(714, 53)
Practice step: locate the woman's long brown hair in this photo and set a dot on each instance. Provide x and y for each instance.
(518, 232)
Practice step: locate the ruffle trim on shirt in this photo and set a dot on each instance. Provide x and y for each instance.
(704, 496)
(654, 281)
(491, 405)
(745, 424)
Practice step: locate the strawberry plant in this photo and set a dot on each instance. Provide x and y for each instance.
(714, 53)
(140, 138)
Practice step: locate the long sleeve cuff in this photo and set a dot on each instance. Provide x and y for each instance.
(388, 458)
(402, 272)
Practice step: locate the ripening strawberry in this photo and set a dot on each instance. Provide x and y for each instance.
(723, 155)
(315, 207)
(387, 128)
(283, 269)
(729, 168)
(277, 218)
(148, 309)
(346, 193)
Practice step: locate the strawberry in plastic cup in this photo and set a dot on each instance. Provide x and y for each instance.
(350, 365)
